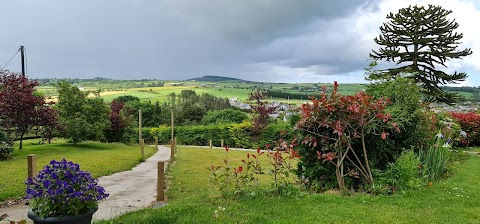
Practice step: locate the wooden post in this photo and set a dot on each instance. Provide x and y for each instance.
(156, 142)
(173, 139)
(172, 148)
(211, 145)
(160, 181)
(173, 125)
(139, 125)
(32, 165)
(142, 146)
(221, 143)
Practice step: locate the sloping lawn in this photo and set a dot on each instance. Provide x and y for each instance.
(99, 158)
(455, 200)
(475, 149)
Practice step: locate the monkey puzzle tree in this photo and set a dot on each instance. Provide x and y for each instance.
(418, 39)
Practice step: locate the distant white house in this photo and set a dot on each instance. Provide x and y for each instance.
(244, 106)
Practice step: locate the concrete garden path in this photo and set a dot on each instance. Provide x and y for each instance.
(129, 190)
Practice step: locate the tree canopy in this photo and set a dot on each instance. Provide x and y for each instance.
(18, 103)
(83, 118)
(419, 39)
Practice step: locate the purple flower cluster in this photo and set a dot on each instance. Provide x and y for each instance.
(64, 189)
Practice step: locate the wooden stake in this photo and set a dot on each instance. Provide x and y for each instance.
(142, 146)
(156, 142)
(173, 140)
(172, 148)
(139, 125)
(32, 165)
(211, 145)
(161, 181)
(173, 126)
(221, 143)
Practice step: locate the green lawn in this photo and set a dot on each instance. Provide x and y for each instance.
(99, 158)
(455, 200)
(475, 149)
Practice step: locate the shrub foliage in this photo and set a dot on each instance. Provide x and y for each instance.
(334, 129)
(470, 123)
(234, 135)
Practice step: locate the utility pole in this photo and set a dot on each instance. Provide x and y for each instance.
(22, 55)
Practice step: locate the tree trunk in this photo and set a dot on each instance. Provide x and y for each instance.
(339, 173)
(367, 164)
(340, 178)
(21, 140)
(415, 48)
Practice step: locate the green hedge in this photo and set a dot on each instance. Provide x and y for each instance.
(234, 135)
(146, 135)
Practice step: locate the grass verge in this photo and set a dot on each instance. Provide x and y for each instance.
(99, 158)
(454, 200)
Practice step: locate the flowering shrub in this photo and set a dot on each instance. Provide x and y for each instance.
(449, 127)
(6, 149)
(61, 188)
(470, 123)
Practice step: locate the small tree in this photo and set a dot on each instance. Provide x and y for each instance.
(48, 121)
(18, 103)
(419, 39)
(119, 123)
(224, 117)
(261, 110)
(82, 118)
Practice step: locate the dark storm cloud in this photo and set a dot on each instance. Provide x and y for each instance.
(180, 39)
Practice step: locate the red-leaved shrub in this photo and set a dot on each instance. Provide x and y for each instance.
(470, 123)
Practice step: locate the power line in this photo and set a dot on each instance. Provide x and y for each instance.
(10, 60)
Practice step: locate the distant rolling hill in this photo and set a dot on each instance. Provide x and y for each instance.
(211, 78)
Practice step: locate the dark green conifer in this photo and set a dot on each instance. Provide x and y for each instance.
(419, 40)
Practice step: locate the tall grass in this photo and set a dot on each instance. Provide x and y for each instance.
(405, 170)
(435, 158)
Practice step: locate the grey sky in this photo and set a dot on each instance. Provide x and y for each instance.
(259, 40)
